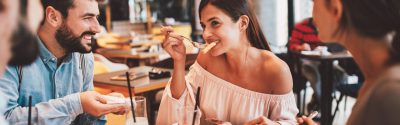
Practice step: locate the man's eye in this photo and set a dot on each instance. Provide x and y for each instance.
(87, 18)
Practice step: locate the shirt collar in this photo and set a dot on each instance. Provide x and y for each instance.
(47, 56)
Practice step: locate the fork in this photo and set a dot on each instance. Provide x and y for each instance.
(195, 44)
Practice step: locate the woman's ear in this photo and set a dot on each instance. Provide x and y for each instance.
(244, 22)
(337, 10)
(53, 17)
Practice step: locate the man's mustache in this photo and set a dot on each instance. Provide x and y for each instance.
(88, 33)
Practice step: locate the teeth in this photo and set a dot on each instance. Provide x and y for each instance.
(88, 37)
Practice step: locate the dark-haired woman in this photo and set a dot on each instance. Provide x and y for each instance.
(241, 80)
(8, 17)
(370, 30)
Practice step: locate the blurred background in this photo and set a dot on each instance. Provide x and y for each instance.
(130, 41)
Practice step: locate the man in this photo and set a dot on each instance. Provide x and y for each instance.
(60, 79)
(305, 38)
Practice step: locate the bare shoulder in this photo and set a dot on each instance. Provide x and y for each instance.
(277, 72)
(202, 59)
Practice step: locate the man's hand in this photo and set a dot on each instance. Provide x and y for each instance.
(94, 104)
(115, 94)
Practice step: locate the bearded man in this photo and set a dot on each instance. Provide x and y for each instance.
(60, 80)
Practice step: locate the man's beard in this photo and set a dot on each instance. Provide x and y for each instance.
(69, 41)
(24, 45)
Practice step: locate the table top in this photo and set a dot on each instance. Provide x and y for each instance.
(141, 85)
(127, 53)
(332, 56)
(136, 44)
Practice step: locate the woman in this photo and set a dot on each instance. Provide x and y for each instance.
(370, 30)
(9, 15)
(240, 79)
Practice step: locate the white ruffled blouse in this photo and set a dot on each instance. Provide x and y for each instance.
(225, 101)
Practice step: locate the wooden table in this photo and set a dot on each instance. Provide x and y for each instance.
(142, 86)
(135, 44)
(128, 56)
(104, 41)
(326, 71)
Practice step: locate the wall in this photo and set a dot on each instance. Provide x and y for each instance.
(303, 9)
(273, 17)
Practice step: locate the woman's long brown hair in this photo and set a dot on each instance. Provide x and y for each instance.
(235, 9)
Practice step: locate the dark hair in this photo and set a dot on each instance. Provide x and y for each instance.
(24, 45)
(23, 7)
(235, 9)
(61, 5)
(1, 6)
(376, 19)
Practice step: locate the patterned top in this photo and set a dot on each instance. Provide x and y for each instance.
(304, 32)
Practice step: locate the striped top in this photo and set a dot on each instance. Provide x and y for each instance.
(304, 32)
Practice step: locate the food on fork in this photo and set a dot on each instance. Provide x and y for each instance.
(313, 114)
(209, 47)
(193, 43)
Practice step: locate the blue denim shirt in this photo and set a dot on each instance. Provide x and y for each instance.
(2, 107)
(54, 89)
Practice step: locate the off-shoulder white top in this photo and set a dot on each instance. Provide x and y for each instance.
(225, 101)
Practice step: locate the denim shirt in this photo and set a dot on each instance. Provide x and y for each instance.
(2, 107)
(54, 90)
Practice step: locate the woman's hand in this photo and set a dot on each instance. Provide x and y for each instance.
(305, 121)
(261, 121)
(173, 44)
(214, 121)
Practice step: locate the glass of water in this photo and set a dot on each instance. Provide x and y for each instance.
(186, 115)
(140, 112)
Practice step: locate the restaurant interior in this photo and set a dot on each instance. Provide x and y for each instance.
(130, 44)
(132, 37)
